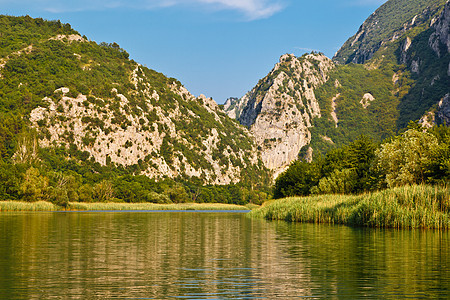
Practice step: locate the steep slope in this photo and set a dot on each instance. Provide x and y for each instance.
(95, 103)
(387, 24)
(280, 108)
(394, 70)
(405, 74)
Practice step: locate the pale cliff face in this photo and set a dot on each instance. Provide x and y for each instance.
(150, 134)
(279, 110)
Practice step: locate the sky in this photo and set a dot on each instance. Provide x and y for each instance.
(219, 48)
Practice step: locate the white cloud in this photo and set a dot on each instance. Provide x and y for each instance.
(254, 9)
(251, 9)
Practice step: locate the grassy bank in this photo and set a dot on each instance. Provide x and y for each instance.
(415, 206)
(47, 206)
(28, 206)
(152, 206)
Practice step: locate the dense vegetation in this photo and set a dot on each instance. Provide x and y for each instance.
(38, 58)
(59, 180)
(381, 26)
(416, 156)
(77, 206)
(416, 206)
(402, 92)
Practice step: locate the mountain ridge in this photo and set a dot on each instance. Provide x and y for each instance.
(93, 99)
(377, 82)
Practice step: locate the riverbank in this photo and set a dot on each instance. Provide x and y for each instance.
(78, 206)
(417, 206)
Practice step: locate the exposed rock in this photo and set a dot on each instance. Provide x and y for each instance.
(145, 135)
(395, 78)
(442, 32)
(337, 84)
(279, 109)
(428, 120)
(69, 38)
(365, 101)
(443, 112)
(382, 28)
(435, 78)
(327, 139)
(405, 48)
(333, 109)
(415, 65)
(440, 115)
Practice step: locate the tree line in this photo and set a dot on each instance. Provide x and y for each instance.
(415, 156)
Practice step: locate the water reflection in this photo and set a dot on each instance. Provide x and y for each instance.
(213, 256)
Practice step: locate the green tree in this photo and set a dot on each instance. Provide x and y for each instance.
(34, 186)
(297, 180)
(404, 160)
(339, 182)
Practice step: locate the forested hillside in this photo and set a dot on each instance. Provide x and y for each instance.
(80, 120)
(388, 23)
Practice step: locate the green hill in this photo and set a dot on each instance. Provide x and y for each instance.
(386, 24)
(72, 108)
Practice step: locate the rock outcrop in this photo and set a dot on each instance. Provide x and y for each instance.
(441, 36)
(182, 137)
(279, 109)
(386, 25)
(443, 112)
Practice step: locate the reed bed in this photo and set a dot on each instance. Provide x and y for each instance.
(417, 206)
(28, 206)
(47, 206)
(152, 206)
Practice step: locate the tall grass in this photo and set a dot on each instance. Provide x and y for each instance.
(27, 206)
(417, 206)
(152, 206)
(47, 206)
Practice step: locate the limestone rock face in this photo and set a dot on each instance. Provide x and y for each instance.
(279, 109)
(170, 133)
(442, 32)
(367, 98)
(443, 112)
(385, 26)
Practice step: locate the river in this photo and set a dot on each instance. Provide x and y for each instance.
(190, 255)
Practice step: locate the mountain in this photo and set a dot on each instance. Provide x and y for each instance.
(279, 110)
(387, 24)
(395, 69)
(88, 102)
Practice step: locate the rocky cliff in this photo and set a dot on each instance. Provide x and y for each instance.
(387, 24)
(280, 108)
(81, 97)
(395, 69)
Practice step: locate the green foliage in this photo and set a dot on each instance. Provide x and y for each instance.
(343, 170)
(377, 121)
(416, 206)
(34, 186)
(36, 65)
(416, 156)
(339, 182)
(381, 26)
(297, 180)
(402, 161)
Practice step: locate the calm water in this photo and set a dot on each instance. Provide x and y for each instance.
(131, 255)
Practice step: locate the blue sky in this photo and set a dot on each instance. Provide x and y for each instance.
(220, 48)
